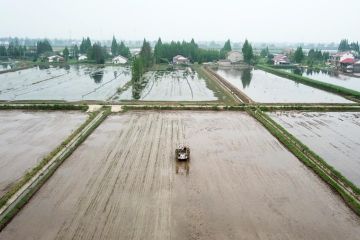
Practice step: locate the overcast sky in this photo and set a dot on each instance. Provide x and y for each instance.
(257, 20)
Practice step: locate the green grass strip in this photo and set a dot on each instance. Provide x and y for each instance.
(52, 107)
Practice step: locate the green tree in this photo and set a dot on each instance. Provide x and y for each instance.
(43, 47)
(75, 52)
(344, 45)
(354, 46)
(226, 48)
(114, 47)
(123, 50)
(85, 45)
(66, 53)
(299, 55)
(265, 52)
(146, 55)
(3, 51)
(158, 51)
(247, 52)
(97, 53)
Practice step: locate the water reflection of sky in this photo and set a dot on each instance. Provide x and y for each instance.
(268, 88)
(72, 83)
(332, 77)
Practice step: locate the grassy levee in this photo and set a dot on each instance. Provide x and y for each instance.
(345, 188)
(351, 94)
(220, 92)
(227, 85)
(310, 107)
(45, 107)
(32, 190)
(186, 107)
(43, 162)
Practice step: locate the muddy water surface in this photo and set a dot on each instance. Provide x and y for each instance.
(177, 85)
(242, 184)
(335, 136)
(26, 137)
(69, 83)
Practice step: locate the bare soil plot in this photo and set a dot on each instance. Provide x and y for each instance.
(335, 136)
(268, 88)
(242, 184)
(27, 137)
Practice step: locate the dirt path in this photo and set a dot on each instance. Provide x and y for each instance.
(121, 184)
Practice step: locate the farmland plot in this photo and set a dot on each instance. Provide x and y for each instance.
(27, 137)
(178, 85)
(242, 184)
(71, 83)
(335, 136)
(268, 88)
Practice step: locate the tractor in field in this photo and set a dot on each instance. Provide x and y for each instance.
(182, 156)
(182, 153)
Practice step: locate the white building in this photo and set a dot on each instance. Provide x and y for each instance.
(180, 60)
(235, 56)
(55, 58)
(82, 58)
(281, 59)
(119, 60)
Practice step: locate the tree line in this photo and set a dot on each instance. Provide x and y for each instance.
(164, 52)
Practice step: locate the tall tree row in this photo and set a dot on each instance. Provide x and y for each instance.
(247, 51)
(164, 52)
(119, 49)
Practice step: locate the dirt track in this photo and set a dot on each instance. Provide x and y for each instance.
(121, 184)
(26, 137)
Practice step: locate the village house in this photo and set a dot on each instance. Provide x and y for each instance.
(55, 58)
(178, 59)
(82, 57)
(281, 59)
(119, 60)
(344, 57)
(235, 57)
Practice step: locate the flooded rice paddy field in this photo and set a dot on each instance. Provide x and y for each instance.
(27, 137)
(335, 136)
(268, 88)
(121, 183)
(177, 85)
(70, 83)
(330, 77)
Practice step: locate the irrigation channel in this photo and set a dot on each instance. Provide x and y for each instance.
(348, 192)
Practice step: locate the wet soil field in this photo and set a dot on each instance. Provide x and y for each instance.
(178, 85)
(69, 83)
(121, 183)
(268, 88)
(335, 136)
(27, 137)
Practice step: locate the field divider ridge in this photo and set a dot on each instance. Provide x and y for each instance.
(13, 202)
